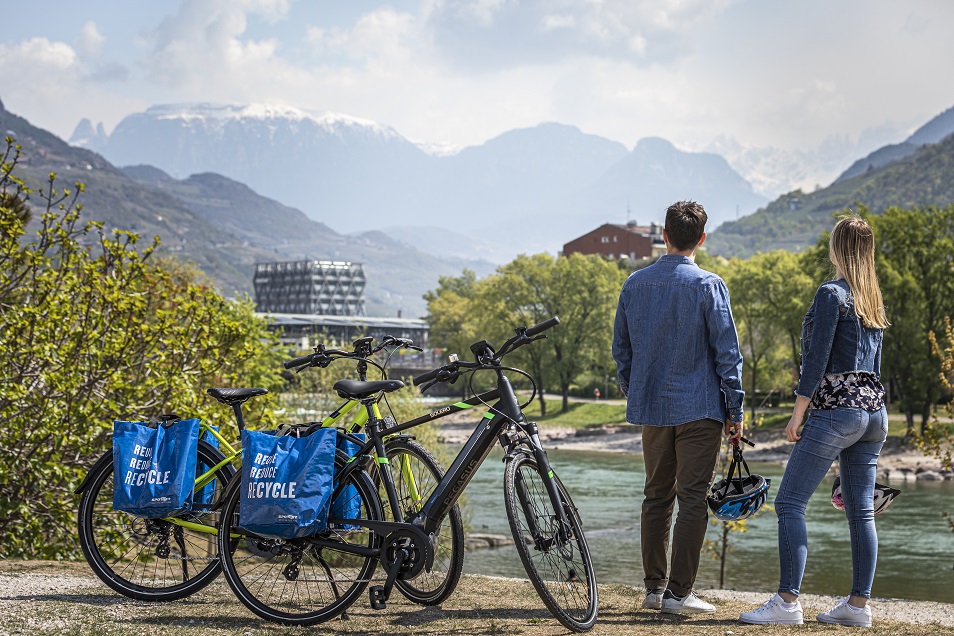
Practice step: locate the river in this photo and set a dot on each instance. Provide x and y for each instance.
(916, 545)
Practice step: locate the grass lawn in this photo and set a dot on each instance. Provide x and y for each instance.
(579, 415)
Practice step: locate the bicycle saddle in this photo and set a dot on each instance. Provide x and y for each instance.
(235, 396)
(356, 390)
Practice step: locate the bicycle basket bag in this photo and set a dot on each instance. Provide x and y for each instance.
(738, 496)
(287, 482)
(154, 466)
(204, 495)
(347, 505)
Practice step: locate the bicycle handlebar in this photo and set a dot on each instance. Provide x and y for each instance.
(452, 371)
(543, 326)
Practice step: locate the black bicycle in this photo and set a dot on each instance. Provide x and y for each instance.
(313, 579)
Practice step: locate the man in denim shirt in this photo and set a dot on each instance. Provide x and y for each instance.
(678, 362)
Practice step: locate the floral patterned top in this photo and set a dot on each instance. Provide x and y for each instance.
(855, 389)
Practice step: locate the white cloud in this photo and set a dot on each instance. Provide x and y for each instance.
(554, 21)
(47, 83)
(90, 41)
(383, 35)
(203, 45)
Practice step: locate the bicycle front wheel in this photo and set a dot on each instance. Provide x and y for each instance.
(296, 581)
(416, 473)
(152, 559)
(558, 563)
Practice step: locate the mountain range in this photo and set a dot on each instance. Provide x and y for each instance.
(219, 184)
(527, 190)
(918, 173)
(225, 227)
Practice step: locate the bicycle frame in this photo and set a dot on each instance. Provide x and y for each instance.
(497, 425)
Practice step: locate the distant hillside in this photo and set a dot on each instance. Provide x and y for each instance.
(795, 220)
(224, 226)
(930, 133)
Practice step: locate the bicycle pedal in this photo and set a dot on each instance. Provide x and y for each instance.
(378, 597)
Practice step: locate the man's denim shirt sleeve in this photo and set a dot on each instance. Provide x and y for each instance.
(622, 348)
(724, 341)
(818, 336)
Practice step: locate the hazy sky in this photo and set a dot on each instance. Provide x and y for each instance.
(766, 72)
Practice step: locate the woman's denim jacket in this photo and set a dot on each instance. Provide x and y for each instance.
(675, 345)
(834, 340)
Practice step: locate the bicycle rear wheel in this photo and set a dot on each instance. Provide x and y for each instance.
(416, 473)
(561, 571)
(293, 581)
(151, 559)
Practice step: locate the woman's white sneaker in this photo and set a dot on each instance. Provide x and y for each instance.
(844, 614)
(688, 604)
(773, 612)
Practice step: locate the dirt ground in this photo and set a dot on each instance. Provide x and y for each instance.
(66, 598)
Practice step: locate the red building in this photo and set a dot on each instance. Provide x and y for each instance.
(613, 240)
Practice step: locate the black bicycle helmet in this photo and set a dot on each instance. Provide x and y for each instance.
(740, 497)
(883, 496)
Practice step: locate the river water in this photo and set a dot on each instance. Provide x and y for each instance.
(916, 545)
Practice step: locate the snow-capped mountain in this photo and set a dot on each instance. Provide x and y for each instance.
(356, 175)
(774, 171)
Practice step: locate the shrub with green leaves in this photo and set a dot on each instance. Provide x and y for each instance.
(94, 328)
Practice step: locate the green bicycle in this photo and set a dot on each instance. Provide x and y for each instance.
(170, 558)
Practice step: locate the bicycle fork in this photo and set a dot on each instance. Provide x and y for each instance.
(541, 542)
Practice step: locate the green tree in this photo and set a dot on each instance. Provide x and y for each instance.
(451, 312)
(916, 270)
(582, 291)
(92, 329)
(770, 293)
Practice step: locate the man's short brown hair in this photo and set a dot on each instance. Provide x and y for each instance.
(685, 223)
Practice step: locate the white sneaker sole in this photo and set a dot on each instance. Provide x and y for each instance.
(780, 621)
(821, 618)
(685, 611)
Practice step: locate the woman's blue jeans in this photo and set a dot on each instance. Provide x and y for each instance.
(855, 436)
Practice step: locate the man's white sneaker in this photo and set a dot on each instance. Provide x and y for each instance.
(654, 599)
(688, 604)
(844, 614)
(774, 613)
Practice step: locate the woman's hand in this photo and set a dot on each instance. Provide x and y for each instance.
(798, 417)
(791, 431)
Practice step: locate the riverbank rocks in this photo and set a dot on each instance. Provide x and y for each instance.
(915, 474)
(485, 541)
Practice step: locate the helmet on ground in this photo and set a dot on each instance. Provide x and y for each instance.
(738, 498)
(883, 496)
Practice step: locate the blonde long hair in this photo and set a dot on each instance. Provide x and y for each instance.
(852, 251)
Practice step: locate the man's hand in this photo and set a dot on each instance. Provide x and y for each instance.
(733, 431)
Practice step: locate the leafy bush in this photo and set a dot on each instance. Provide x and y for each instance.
(94, 328)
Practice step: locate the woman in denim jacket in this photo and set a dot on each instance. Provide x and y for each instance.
(840, 389)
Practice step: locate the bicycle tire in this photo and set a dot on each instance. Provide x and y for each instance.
(122, 549)
(427, 588)
(256, 570)
(555, 570)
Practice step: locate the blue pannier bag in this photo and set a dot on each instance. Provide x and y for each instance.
(154, 466)
(347, 505)
(205, 494)
(286, 482)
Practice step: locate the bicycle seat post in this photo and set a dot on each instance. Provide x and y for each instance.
(239, 418)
